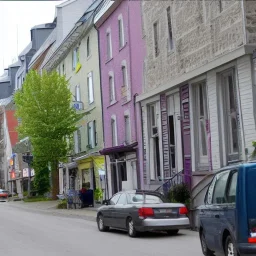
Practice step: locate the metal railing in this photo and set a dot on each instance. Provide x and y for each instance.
(178, 178)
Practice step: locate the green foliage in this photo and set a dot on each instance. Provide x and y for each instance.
(34, 199)
(180, 193)
(254, 151)
(25, 193)
(47, 118)
(62, 204)
(42, 181)
(98, 194)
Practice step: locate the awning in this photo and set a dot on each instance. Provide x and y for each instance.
(119, 149)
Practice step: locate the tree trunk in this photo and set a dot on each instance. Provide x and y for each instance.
(55, 179)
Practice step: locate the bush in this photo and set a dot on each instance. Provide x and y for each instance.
(62, 204)
(98, 194)
(180, 193)
(25, 193)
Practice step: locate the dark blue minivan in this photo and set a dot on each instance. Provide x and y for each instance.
(228, 217)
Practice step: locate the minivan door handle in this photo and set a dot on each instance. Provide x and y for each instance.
(217, 216)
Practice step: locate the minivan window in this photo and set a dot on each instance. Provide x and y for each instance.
(250, 191)
(220, 188)
(231, 196)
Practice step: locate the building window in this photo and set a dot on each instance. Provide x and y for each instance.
(112, 89)
(113, 131)
(63, 69)
(75, 57)
(125, 86)
(154, 150)
(109, 46)
(230, 116)
(124, 75)
(127, 129)
(92, 134)
(170, 37)
(90, 88)
(88, 47)
(121, 31)
(78, 93)
(201, 119)
(77, 141)
(156, 38)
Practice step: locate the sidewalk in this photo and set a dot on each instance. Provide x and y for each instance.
(50, 207)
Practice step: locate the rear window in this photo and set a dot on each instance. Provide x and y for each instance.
(144, 198)
(251, 191)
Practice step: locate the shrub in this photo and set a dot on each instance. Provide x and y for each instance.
(180, 193)
(98, 194)
(62, 204)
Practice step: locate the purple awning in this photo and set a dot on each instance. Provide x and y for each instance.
(119, 149)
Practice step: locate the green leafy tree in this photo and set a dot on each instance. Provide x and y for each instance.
(48, 119)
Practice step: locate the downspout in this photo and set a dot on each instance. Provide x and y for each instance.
(134, 103)
(244, 22)
(102, 112)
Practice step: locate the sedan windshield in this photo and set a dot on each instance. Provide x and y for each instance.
(144, 198)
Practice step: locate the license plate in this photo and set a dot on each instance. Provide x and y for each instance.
(165, 210)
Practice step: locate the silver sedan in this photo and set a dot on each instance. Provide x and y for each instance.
(140, 211)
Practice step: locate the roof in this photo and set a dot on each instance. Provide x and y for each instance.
(26, 50)
(48, 42)
(105, 6)
(6, 101)
(15, 64)
(60, 48)
(44, 26)
(5, 78)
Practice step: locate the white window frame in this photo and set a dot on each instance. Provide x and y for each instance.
(113, 132)
(121, 31)
(112, 90)
(74, 57)
(128, 136)
(125, 79)
(202, 161)
(109, 44)
(229, 156)
(78, 93)
(92, 135)
(90, 87)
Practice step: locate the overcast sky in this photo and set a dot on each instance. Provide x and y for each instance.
(20, 16)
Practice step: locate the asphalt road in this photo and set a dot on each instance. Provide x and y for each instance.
(27, 233)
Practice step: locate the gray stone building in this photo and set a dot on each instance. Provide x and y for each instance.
(199, 87)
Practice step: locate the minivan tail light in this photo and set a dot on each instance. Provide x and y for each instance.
(146, 212)
(252, 230)
(183, 211)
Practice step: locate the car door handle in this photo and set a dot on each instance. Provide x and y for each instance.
(217, 216)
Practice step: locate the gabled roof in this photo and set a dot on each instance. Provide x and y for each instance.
(57, 51)
(48, 42)
(26, 50)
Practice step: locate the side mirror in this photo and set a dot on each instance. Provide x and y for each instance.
(106, 202)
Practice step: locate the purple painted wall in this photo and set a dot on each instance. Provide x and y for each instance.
(133, 52)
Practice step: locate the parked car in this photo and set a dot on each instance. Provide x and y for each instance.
(140, 211)
(3, 195)
(228, 217)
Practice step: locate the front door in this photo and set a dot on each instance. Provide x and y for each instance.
(176, 157)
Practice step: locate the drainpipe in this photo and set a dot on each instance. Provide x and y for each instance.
(244, 22)
(102, 111)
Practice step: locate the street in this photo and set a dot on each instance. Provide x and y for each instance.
(26, 233)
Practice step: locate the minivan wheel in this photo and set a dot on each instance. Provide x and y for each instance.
(204, 246)
(230, 249)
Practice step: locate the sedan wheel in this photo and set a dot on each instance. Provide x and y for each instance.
(101, 226)
(131, 229)
(230, 249)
